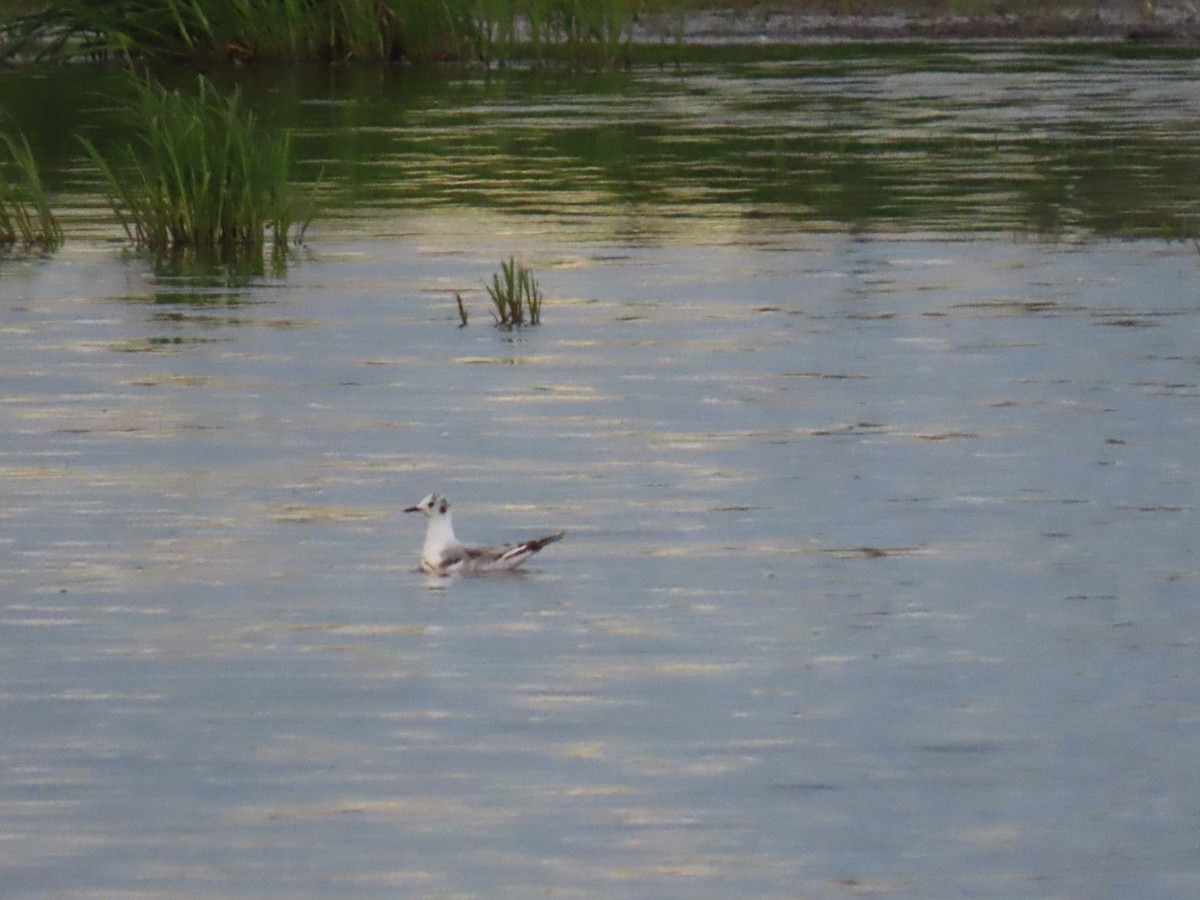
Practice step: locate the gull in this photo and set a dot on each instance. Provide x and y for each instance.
(444, 555)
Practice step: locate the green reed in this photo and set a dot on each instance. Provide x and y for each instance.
(299, 30)
(201, 172)
(202, 29)
(516, 297)
(286, 29)
(25, 214)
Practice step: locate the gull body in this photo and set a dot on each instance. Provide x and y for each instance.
(444, 554)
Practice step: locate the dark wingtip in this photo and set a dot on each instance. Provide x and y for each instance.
(543, 541)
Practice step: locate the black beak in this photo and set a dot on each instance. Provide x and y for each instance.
(413, 509)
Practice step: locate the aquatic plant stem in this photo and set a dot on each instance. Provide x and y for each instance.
(26, 216)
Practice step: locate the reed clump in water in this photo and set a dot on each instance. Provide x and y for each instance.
(516, 297)
(200, 173)
(25, 214)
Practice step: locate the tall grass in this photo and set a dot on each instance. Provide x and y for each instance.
(333, 30)
(25, 213)
(572, 30)
(285, 29)
(195, 29)
(201, 172)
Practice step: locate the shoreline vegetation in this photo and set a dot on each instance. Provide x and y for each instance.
(211, 32)
(201, 174)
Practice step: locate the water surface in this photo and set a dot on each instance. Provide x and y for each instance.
(867, 391)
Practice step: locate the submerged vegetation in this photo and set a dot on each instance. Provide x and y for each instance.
(25, 214)
(516, 298)
(200, 172)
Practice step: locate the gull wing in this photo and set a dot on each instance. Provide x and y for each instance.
(517, 553)
(484, 559)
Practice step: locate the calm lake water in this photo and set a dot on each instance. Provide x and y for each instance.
(868, 391)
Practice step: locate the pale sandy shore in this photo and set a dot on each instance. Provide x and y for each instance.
(1119, 20)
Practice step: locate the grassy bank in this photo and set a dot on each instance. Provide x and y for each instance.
(243, 31)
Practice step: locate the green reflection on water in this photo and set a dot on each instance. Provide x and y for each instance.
(1042, 141)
